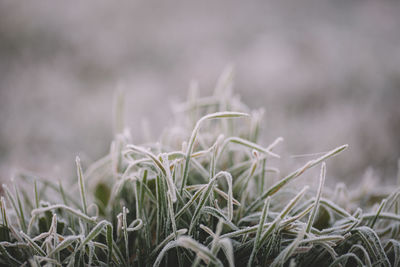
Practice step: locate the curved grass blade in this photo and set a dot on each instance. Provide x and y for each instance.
(188, 243)
(192, 139)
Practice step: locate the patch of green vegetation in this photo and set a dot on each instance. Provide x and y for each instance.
(202, 196)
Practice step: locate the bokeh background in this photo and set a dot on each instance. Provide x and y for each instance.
(327, 73)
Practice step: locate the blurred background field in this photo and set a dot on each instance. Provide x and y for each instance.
(326, 72)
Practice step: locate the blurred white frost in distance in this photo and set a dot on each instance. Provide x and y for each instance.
(326, 73)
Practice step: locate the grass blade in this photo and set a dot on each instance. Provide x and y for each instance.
(275, 188)
(81, 185)
(319, 192)
(192, 139)
(256, 245)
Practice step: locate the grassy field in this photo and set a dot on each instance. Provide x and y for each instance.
(207, 194)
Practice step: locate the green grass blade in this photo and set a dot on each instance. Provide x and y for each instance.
(192, 139)
(256, 245)
(81, 185)
(275, 188)
(319, 192)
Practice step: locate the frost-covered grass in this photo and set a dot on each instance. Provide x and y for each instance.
(203, 195)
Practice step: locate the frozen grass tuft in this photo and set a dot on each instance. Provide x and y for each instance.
(199, 197)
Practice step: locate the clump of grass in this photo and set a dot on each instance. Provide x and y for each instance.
(199, 197)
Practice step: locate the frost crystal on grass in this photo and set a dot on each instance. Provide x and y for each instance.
(164, 204)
